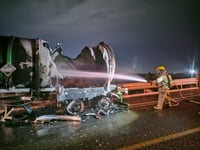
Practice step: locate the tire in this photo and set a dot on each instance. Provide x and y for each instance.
(75, 107)
(104, 103)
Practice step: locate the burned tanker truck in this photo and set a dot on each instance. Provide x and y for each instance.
(30, 70)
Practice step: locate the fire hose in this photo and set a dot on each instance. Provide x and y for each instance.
(179, 91)
(181, 94)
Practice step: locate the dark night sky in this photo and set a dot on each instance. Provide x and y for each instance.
(142, 33)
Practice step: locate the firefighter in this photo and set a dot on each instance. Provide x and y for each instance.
(163, 87)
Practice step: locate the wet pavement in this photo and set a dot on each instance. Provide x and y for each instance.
(175, 128)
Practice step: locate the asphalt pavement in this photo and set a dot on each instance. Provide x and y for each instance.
(174, 128)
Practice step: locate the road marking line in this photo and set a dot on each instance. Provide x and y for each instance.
(161, 139)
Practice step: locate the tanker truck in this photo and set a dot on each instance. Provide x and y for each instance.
(30, 69)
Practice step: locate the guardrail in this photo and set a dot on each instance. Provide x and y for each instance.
(143, 89)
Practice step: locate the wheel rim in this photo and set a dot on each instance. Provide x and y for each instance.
(104, 103)
(75, 107)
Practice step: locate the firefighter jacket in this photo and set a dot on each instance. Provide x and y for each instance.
(162, 82)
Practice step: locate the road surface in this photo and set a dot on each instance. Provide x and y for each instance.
(174, 128)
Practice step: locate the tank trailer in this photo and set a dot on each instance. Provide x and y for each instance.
(30, 70)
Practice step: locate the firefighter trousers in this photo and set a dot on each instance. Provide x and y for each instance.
(164, 95)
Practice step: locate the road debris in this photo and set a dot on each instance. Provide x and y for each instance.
(48, 118)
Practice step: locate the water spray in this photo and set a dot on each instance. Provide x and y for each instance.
(100, 75)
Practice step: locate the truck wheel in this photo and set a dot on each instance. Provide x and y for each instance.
(104, 103)
(75, 107)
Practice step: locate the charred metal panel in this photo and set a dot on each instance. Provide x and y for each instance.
(98, 59)
(36, 66)
(13, 53)
(22, 59)
(83, 93)
(25, 63)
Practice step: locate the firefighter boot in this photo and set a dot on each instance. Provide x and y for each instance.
(161, 100)
(157, 107)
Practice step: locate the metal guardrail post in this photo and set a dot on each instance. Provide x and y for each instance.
(180, 84)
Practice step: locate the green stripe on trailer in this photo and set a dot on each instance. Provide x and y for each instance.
(9, 51)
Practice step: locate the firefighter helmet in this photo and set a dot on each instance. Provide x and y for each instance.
(160, 68)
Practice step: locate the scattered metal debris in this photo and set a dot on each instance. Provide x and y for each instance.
(48, 118)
